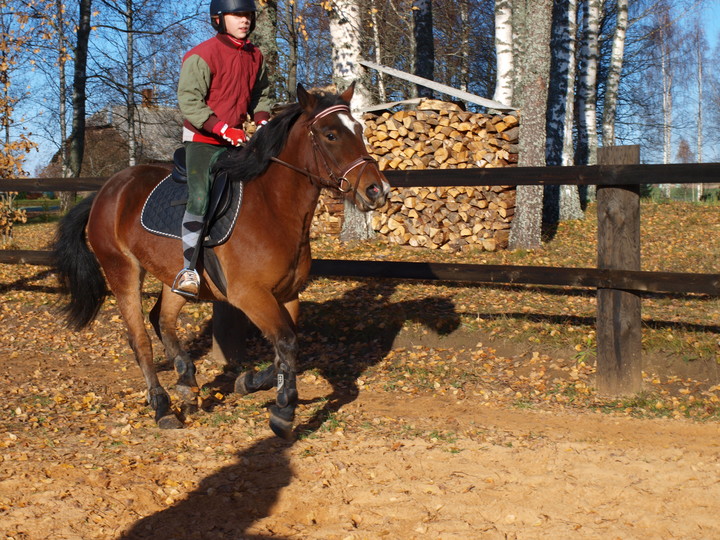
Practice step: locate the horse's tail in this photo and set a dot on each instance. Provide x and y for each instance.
(77, 267)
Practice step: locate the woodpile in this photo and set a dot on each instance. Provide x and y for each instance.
(439, 135)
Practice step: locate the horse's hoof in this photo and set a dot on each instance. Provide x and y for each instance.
(169, 421)
(281, 421)
(241, 383)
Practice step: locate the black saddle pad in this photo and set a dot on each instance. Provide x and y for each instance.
(164, 209)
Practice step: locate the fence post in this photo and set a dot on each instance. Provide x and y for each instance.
(619, 331)
(229, 332)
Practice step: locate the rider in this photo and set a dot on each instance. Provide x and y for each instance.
(221, 81)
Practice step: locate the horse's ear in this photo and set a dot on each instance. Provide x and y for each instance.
(305, 98)
(348, 93)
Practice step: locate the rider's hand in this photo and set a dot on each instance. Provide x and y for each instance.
(234, 136)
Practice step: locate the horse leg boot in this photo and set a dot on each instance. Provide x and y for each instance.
(282, 413)
(254, 381)
(163, 317)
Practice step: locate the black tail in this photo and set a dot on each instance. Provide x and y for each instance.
(78, 269)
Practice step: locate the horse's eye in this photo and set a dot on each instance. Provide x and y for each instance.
(331, 136)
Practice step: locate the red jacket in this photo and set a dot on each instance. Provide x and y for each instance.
(221, 80)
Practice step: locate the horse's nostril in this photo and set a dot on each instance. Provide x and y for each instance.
(373, 191)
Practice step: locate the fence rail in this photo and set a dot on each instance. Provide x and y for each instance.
(618, 279)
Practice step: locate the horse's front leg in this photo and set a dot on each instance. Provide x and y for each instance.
(254, 381)
(277, 325)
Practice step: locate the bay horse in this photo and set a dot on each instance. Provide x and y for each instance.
(312, 144)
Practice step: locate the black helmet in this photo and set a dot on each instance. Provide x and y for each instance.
(219, 7)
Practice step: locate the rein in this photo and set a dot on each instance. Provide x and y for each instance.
(341, 183)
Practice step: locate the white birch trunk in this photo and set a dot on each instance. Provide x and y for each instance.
(560, 44)
(378, 50)
(465, 47)
(568, 152)
(667, 103)
(130, 61)
(345, 31)
(561, 203)
(612, 84)
(700, 48)
(504, 52)
(589, 80)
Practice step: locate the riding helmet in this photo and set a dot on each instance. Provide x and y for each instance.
(219, 7)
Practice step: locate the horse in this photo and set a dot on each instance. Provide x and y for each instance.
(310, 145)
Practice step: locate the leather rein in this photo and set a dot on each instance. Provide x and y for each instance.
(341, 183)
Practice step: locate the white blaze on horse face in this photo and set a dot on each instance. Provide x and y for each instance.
(349, 122)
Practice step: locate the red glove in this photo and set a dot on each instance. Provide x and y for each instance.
(234, 136)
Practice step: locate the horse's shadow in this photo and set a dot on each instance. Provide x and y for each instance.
(341, 338)
(228, 502)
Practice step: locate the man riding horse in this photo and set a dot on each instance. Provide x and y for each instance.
(221, 81)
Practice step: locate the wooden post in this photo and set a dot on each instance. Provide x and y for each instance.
(618, 312)
(229, 330)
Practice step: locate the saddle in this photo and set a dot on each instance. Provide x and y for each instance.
(163, 211)
(164, 208)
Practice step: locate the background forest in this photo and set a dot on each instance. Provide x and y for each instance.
(615, 71)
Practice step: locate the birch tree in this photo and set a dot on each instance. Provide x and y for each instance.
(561, 203)
(587, 93)
(346, 30)
(531, 48)
(612, 83)
(504, 51)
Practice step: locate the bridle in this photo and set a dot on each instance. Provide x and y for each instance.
(339, 182)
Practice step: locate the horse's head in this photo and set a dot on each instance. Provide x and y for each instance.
(339, 151)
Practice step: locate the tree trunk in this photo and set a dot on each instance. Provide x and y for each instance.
(264, 36)
(424, 44)
(292, 51)
(465, 47)
(345, 30)
(587, 102)
(504, 52)
(377, 45)
(531, 48)
(77, 137)
(130, 98)
(612, 84)
(561, 202)
(700, 48)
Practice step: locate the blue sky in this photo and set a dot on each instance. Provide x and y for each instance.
(712, 22)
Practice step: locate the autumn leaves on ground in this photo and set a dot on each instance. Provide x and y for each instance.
(427, 411)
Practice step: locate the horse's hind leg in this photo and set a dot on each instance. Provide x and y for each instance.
(163, 317)
(125, 279)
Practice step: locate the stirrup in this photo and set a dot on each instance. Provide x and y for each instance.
(187, 283)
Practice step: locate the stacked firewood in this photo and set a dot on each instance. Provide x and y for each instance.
(439, 135)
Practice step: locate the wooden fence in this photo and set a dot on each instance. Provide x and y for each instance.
(618, 279)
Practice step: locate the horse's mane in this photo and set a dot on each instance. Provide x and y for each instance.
(244, 164)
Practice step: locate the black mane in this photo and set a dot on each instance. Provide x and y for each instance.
(244, 164)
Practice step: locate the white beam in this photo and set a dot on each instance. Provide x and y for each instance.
(449, 90)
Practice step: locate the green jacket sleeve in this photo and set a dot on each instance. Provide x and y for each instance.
(192, 88)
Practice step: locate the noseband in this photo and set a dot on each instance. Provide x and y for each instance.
(339, 182)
